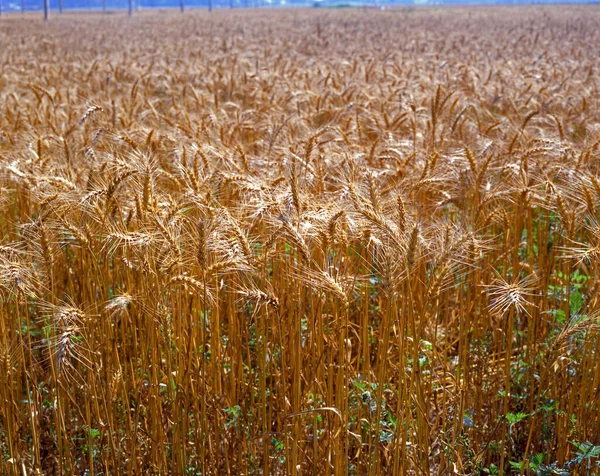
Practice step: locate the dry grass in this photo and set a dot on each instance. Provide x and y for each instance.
(300, 242)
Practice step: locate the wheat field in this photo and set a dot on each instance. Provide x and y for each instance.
(300, 242)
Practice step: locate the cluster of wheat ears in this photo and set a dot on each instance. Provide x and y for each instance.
(311, 242)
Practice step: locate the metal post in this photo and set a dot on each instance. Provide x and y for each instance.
(46, 9)
(130, 7)
(181, 5)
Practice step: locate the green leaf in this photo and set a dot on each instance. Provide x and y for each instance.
(393, 420)
(587, 450)
(516, 465)
(514, 418)
(538, 459)
(560, 316)
(576, 302)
